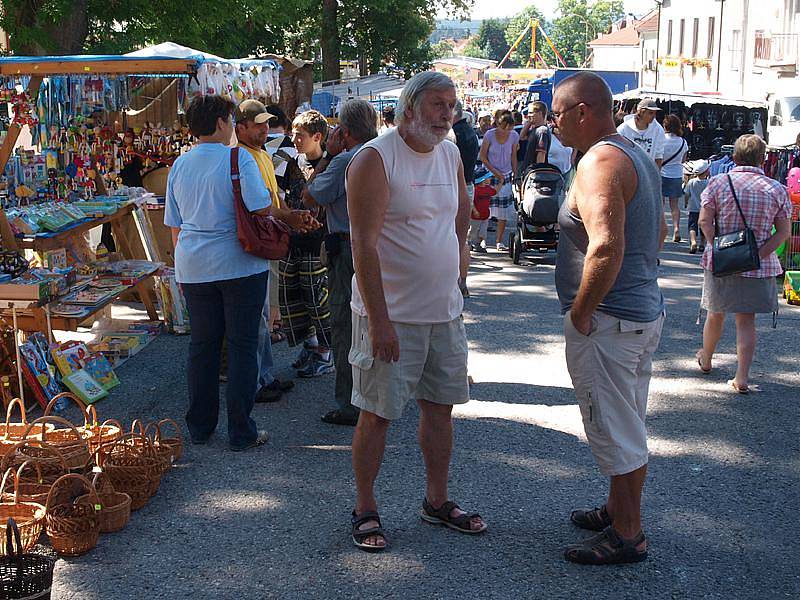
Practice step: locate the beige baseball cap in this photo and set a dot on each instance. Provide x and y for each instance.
(252, 110)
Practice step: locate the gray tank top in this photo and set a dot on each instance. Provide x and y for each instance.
(635, 295)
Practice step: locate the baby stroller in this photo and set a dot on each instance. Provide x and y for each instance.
(537, 204)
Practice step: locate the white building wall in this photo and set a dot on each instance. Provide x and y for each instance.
(616, 58)
(649, 57)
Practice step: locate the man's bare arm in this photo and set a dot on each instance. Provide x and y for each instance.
(367, 201)
(602, 181)
(463, 214)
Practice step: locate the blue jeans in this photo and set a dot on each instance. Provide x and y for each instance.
(224, 309)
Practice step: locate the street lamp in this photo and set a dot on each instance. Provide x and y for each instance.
(586, 36)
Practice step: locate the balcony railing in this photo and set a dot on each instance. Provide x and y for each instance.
(779, 50)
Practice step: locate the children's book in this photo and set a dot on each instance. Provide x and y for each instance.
(99, 367)
(85, 387)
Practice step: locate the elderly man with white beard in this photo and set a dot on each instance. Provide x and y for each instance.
(409, 214)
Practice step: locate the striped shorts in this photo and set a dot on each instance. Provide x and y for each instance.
(303, 299)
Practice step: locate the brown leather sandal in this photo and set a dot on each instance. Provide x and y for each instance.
(441, 516)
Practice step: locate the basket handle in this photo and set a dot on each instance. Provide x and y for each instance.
(31, 463)
(50, 405)
(105, 449)
(12, 535)
(90, 413)
(21, 444)
(115, 423)
(11, 405)
(101, 481)
(156, 431)
(10, 471)
(51, 419)
(137, 423)
(172, 422)
(79, 478)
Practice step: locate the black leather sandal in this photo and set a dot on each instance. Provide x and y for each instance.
(441, 516)
(360, 535)
(594, 519)
(606, 548)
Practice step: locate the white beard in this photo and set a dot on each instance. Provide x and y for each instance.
(424, 133)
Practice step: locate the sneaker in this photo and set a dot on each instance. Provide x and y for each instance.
(303, 357)
(261, 439)
(501, 247)
(316, 366)
(481, 248)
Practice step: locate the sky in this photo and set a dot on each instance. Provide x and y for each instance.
(487, 9)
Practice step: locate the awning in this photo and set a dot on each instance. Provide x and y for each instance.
(688, 99)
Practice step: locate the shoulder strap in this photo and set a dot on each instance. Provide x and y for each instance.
(736, 199)
(237, 185)
(671, 158)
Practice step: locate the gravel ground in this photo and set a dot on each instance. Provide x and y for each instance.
(274, 523)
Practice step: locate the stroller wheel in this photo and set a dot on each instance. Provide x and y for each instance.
(516, 249)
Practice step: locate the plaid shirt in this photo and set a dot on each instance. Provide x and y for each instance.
(762, 200)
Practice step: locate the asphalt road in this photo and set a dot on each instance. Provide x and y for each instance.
(720, 502)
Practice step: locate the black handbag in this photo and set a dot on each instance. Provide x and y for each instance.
(735, 252)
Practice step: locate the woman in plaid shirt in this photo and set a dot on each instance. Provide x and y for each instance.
(765, 203)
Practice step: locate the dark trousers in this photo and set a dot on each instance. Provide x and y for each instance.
(340, 278)
(228, 309)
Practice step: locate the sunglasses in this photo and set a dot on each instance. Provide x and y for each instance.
(556, 115)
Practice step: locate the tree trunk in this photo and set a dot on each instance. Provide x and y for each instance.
(329, 40)
(65, 37)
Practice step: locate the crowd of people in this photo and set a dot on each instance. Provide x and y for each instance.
(373, 285)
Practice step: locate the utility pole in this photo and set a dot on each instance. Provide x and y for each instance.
(658, 39)
(719, 42)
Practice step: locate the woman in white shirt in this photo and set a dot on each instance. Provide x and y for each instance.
(675, 149)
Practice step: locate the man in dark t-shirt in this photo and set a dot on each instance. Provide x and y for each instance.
(536, 132)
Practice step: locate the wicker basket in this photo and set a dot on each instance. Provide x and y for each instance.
(131, 467)
(67, 440)
(30, 490)
(12, 432)
(29, 516)
(24, 575)
(48, 460)
(98, 434)
(72, 527)
(164, 452)
(116, 511)
(175, 442)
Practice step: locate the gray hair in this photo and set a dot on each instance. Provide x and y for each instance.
(458, 111)
(360, 119)
(419, 83)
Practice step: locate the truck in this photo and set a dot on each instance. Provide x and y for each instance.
(619, 81)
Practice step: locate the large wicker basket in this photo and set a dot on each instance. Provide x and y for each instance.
(131, 466)
(29, 516)
(67, 440)
(72, 527)
(116, 506)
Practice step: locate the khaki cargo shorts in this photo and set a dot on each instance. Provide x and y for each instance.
(610, 370)
(432, 367)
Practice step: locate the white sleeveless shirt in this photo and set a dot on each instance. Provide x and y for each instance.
(418, 247)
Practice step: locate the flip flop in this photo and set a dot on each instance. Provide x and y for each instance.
(738, 389)
(699, 357)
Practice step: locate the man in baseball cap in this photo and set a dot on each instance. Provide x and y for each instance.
(252, 110)
(642, 128)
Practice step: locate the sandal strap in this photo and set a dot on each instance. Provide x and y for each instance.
(443, 512)
(361, 534)
(369, 515)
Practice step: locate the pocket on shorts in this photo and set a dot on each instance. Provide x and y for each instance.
(590, 413)
(570, 326)
(360, 360)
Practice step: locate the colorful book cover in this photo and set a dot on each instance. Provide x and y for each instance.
(101, 370)
(70, 357)
(85, 386)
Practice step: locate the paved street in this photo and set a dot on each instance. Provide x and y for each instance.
(719, 505)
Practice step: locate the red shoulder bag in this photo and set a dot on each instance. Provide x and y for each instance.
(259, 235)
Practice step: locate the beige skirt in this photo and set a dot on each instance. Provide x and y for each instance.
(737, 294)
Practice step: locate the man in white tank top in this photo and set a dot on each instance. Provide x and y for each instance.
(409, 214)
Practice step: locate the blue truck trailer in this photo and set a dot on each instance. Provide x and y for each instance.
(618, 81)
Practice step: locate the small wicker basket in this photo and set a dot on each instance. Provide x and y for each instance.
(72, 527)
(116, 506)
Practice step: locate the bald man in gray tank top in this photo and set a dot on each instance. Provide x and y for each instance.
(607, 282)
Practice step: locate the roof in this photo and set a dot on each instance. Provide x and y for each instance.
(648, 23)
(627, 36)
(688, 99)
(466, 61)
